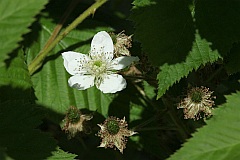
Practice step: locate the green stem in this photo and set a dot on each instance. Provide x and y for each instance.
(38, 60)
(214, 74)
(83, 143)
(155, 129)
(145, 97)
(137, 128)
(139, 77)
(60, 24)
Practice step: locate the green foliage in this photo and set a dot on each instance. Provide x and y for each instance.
(149, 90)
(200, 55)
(60, 154)
(179, 43)
(219, 139)
(218, 22)
(18, 136)
(165, 30)
(174, 29)
(19, 117)
(16, 73)
(15, 17)
(142, 3)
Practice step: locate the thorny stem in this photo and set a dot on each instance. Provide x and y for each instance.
(147, 99)
(155, 129)
(60, 23)
(38, 60)
(179, 124)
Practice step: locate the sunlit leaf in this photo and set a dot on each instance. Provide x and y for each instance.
(219, 139)
(15, 17)
(60, 154)
(200, 55)
(16, 74)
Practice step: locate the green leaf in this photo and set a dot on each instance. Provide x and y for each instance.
(219, 139)
(51, 82)
(15, 17)
(200, 55)
(3, 155)
(15, 76)
(60, 154)
(143, 3)
(218, 23)
(149, 90)
(18, 135)
(19, 117)
(164, 28)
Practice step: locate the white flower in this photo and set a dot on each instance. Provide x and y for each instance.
(99, 67)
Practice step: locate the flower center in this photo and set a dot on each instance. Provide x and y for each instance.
(112, 127)
(73, 115)
(97, 63)
(98, 67)
(197, 96)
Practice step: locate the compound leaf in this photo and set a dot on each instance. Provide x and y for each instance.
(200, 55)
(219, 139)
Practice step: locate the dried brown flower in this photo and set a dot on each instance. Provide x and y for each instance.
(121, 44)
(74, 121)
(114, 132)
(198, 99)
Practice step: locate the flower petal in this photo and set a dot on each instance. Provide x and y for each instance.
(81, 82)
(73, 62)
(122, 62)
(102, 43)
(112, 83)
